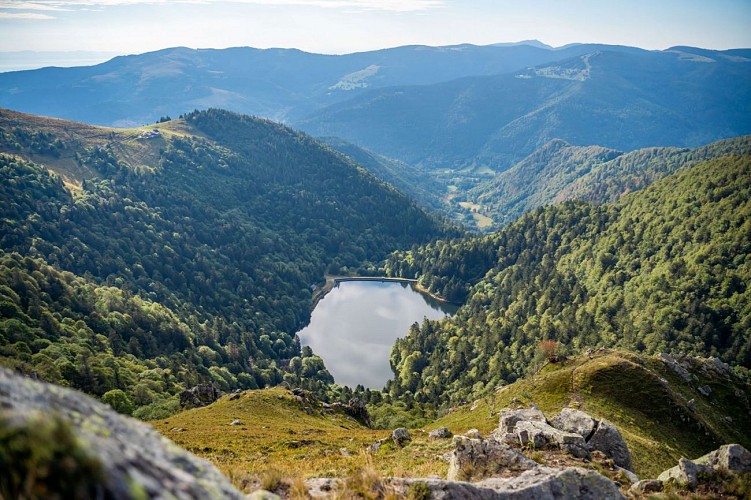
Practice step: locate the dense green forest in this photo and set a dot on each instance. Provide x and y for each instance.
(665, 269)
(198, 265)
(559, 171)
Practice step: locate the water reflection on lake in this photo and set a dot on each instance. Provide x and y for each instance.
(355, 325)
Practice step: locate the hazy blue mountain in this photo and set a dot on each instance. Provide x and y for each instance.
(276, 83)
(620, 99)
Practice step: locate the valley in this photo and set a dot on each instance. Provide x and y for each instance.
(385, 274)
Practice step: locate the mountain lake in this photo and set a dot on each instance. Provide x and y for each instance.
(355, 325)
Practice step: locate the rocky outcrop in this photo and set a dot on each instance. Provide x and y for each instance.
(373, 448)
(479, 458)
(540, 434)
(400, 436)
(729, 458)
(544, 483)
(572, 430)
(136, 460)
(355, 408)
(686, 472)
(358, 411)
(200, 395)
(509, 417)
(646, 486)
(473, 434)
(322, 487)
(607, 439)
(573, 420)
(440, 433)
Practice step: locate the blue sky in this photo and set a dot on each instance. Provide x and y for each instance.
(339, 26)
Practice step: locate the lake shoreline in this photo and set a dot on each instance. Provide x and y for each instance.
(332, 280)
(355, 330)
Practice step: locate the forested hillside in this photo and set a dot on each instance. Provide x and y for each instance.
(153, 260)
(665, 269)
(559, 171)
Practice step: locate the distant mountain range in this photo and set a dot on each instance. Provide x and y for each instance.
(282, 84)
(617, 98)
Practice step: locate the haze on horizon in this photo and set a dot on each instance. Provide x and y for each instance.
(343, 26)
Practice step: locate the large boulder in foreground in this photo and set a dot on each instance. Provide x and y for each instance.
(540, 483)
(110, 454)
(509, 417)
(607, 438)
(599, 435)
(573, 420)
(478, 458)
(730, 458)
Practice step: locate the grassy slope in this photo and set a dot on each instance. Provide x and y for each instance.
(134, 152)
(278, 433)
(623, 388)
(626, 389)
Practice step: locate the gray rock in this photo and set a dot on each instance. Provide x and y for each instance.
(528, 434)
(440, 433)
(541, 483)
(677, 368)
(607, 438)
(705, 390)
(236, 422)
(135, 457)
(443, 490)
(729, 457)
(646, 486)
(508, 418)
(473, 458)
(400, 436)
(473, 434)
(539, 434)
(356, 409)
(572, 420)
(263, 495)
(373, 448)
(632, 478)
(691, 405)
(685, 472)
(322, 487)
(200, 395)
(716, 366)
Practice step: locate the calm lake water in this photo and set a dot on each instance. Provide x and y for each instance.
(356, 323)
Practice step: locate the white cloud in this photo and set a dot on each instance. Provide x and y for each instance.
(375, 5)
(24, 15)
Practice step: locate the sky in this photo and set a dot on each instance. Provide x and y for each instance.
(342, 26)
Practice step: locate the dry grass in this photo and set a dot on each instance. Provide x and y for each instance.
(277, 433)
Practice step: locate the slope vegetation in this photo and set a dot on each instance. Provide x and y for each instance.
(666, 269)
(182, 254)
(559, 171)
(654, 402)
